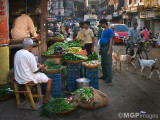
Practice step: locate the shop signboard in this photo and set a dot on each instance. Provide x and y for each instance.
(4, 37)
(142, 15)
(150, 14)
(157, 13)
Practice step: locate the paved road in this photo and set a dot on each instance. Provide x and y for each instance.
(129, 93)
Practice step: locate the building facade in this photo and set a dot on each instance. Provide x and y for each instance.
(145, 12)
(93, 7)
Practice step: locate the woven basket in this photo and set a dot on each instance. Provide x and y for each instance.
(51, 71)
(55, 39)
(69, 111)
(53, 56)
(74, 61)
(91, 66)
(7, 97)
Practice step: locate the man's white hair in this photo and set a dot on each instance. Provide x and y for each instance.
(27, 42)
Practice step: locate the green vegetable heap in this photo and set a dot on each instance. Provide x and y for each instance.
(63, 45)
(76, 43)
(93, 56)
(5, 91)
(85, 93)
(55, 106)
(51, 66)
(72, 56)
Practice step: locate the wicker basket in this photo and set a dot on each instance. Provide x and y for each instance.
(55, 39)
(91, 66)
(69, 111)
(74, 61)
(51, 71)
(53, 56)
(7, 97)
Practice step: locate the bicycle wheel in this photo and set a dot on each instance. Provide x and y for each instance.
(148, 47)
(143, 55)
(128, 50)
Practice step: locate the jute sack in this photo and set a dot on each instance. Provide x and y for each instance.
(99, 100)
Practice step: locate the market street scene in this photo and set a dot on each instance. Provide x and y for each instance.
(80, 59)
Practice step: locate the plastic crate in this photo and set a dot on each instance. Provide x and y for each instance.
(92, 75)
(56, 89)
(74, 66)
(72, 75)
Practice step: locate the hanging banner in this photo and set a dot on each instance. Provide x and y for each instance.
(4, 37)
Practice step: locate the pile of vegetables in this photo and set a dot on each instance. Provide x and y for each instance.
(53, 48)
(56, 105)
(50, 65)
(76, 43)
(92, 63)
(82, 52)
(59, 50)
(5, 91)
(60, 36)
(72, 56)
(93, 56)
(74, 49)
(86, 94)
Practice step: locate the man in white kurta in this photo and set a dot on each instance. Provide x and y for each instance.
(26, 69)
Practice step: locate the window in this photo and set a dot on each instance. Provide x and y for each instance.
(59, 13)
(59, 4)
(121, 28)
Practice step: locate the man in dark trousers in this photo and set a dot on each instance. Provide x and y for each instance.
(106, 51)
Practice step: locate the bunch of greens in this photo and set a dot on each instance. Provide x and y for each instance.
(49, 52)
(72, 56)
(50, 65)
(93, 56)
(58, 44)
(5, 91)
(55, 106)
(76, 43)
(85, 93)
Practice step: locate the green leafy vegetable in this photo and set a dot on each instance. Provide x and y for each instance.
(50, 65)
(93, 56)
(5, 91)
(72, 56)
(85, 93)
(55, 106)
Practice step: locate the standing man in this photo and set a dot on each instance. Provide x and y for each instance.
(26, 69)
(106, 51)
(88, 38)
(134, 35)
(23, 26)
(80, 35)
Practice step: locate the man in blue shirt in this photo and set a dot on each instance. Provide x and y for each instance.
(106, 51)
(134, 36)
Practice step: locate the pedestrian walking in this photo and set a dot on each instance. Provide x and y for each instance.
(145, 34)
(106, 51)
(88, 38)
(75, 31)
(134, 35)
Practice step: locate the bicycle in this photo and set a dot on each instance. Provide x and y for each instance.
(141, 52)
(148, 45)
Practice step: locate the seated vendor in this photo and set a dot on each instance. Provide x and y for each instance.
(23, 26)
(26, 69)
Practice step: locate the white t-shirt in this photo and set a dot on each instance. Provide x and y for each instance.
(24, 67)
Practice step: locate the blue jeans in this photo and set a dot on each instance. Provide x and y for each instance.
(106, 63)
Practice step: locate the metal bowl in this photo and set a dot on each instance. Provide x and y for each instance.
(82, 82)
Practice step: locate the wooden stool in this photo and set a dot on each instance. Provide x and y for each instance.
(26, 104)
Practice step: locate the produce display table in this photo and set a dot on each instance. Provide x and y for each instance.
(56, 89)
(92, 75)
(73, 73)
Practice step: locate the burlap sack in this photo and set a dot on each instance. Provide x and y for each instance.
(99, 100)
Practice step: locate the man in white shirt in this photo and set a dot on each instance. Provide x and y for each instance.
(26, 69)
(88, 38)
